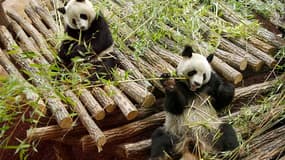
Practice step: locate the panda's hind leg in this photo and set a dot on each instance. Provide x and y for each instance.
(162, 144)
(228, 140)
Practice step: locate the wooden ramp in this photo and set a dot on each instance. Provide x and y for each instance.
(118, 118)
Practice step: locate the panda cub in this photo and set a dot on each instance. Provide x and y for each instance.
(90, 37)
(192, 125)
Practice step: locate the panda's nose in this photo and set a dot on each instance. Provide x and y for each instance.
(82, 28)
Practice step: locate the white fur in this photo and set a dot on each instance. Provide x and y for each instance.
(197, 121)
(200, 64)
(74, 9)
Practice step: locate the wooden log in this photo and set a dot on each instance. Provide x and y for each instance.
(132, 129)
(171, 58)
(226, 71)
(22, 38)
(127, 64)
(45, 16)
(267, 146)
(3, 72)
(28, 28)
(149, 71)
(236, 61)
(157, 62)
(94, 131)
(106, 102)
(254, 63)
(252, 90)
(30, 95)
(54, 103)
(125, 105)
(40, 26)
(142, 96)
(220, 66)
(262, 33)
(269, 60)
(55, 132)
(91, 103)
(3, 17)
(25, 42)
(133, 150)
(265, 47)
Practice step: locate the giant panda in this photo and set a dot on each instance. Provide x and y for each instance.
(89, 37)
(192, 126)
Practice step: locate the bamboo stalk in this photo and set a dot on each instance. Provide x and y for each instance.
(269, 60)
(236, 61)
(40, 26)
(94, 131)
(106, 102)
(125, 105)
(254, 63)
(91, 103)
(142, 96)
(54, 103)
(28, 28)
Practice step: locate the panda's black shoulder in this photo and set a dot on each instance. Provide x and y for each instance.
(221, 91)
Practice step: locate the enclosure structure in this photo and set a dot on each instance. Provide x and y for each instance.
(115, 120)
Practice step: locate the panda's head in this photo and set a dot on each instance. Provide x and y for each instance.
(195, 67)
(78, 14)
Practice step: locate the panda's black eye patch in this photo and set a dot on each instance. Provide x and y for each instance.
(204, 76)
(191, 73)
(83, 16)
(74, 21)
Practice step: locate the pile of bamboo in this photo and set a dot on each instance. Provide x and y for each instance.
(114, 117)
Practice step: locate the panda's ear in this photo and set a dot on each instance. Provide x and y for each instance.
(61, 10)
(187, 52)
(210, 58)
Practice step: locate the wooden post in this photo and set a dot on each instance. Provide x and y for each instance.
(122, 101)
(3, 17)
(54, 102)
(94, 131)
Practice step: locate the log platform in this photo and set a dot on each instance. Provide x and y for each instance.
(115, 120)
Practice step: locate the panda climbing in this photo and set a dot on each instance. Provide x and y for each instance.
(90, 37)
(192, 125)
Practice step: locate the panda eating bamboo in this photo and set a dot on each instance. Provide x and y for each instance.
(90, 38)
(192, 125)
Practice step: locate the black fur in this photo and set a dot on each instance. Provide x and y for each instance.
(96, 39)
(228, 140)
(162, 143)
(222, 92)
(187, 52)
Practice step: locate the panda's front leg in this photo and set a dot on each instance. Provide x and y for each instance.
(223, 95)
